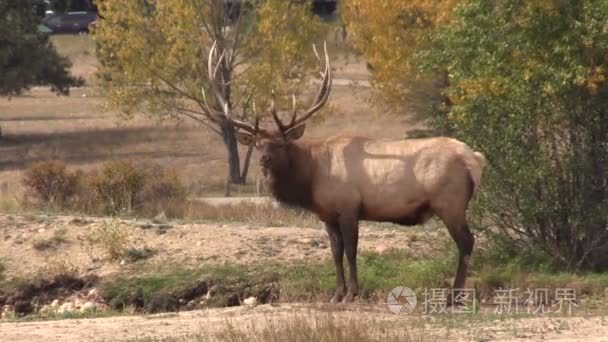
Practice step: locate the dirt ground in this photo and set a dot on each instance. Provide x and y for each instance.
(179, 244)
(215, 321)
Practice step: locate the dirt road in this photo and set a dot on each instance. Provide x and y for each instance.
(215, 321)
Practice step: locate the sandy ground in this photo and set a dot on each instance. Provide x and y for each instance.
(215, 321)
(179, 244)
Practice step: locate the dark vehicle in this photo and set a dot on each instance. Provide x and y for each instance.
(324, 6)
(70, 22)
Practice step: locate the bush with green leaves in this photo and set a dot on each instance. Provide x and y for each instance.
(528, 87)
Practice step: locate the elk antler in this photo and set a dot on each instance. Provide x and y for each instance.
(218, 93)
(319, 101)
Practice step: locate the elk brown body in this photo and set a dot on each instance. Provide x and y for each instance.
(347, 179)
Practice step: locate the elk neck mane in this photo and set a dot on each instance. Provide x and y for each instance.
(292, 185)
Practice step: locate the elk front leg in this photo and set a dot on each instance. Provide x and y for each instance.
(349, 226)
(337, 251)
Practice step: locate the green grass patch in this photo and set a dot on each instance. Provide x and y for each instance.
(165, 291)
(378, 274)
(148, 285)
(501, 266)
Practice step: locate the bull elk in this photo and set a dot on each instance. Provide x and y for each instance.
(347, 179)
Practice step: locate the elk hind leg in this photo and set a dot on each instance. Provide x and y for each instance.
(464, 239)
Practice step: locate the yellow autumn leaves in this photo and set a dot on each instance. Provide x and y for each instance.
(164, 44)
(388, 33)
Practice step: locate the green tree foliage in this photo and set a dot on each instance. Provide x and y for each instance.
(154, 57)
(528, 87)
(27, 57)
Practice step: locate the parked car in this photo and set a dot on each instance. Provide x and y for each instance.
(70, 22)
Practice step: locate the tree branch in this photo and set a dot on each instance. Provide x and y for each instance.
(193, 115)
(203, 122)
(181, 92)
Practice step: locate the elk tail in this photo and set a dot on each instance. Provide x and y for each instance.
(475, 167)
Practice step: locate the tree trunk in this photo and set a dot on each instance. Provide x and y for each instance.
(246, 165)
(234, 164)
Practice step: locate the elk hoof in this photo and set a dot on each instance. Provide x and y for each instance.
(349, 298)
(338, 295)
(337, 298)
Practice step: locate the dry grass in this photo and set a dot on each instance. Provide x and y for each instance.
(58, 266)
(263, 214)
(326, 327)
(51, 243)
(73, 129)
(80, 49)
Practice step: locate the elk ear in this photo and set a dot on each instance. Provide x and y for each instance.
(295, 133)
(245, 138)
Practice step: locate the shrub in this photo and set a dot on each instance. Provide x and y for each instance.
(50, 183)
(163, 193)
(53, 242)
(59, 267)
(114, 238)
(117, 186)
(528, 88)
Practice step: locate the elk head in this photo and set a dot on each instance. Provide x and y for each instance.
(274, 144)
